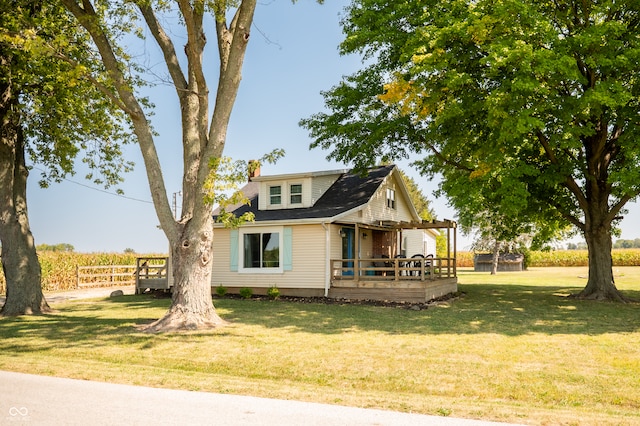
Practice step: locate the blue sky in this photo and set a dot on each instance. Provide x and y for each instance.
(292, 56)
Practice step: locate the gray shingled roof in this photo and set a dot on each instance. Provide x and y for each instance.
(349, 191)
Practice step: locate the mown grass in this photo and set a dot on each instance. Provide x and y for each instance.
(514, 347)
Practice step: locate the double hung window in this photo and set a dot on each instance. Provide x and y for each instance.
(275, 195)
(295, 193)
(391, 198)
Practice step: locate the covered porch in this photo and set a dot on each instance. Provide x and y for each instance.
(386, 261)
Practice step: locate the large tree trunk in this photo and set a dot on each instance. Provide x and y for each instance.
(190, 237)
(495, 258)
(192, 306)
(601, 284)
(19, 259)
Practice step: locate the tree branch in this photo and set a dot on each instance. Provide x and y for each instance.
(232, 46)
(458, 165)
(100, 86)
(88, 18)
(569, 181)
(166, 45)
(194, 48)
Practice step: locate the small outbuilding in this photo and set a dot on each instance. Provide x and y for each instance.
(506, 262)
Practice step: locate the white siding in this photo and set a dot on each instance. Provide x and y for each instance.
(418, 241)
(309, 267)
(335, 242)
(320, 185)
(377, 210)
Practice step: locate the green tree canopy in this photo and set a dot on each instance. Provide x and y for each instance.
(530, 105)
(50, 113)
(419, 200)
(61, 112)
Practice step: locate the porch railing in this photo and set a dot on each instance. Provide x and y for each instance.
(378, 269)
(151, 273)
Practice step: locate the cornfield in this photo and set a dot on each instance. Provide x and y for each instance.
(59, 268)
(621, 257)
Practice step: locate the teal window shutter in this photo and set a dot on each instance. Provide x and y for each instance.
(287, 252)
(234, 250)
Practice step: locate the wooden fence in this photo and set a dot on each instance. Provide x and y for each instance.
(148, 272)
(105, 276)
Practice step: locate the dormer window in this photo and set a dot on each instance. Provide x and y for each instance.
(295, 191)
(288, 192)
(391, 198)
(275, 195)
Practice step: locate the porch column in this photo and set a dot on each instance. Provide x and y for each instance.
(397, 251)
(356, 248)
(448, 249)
(327, 255)
(455, 251)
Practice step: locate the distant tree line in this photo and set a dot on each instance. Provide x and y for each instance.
(55, 247)
(69, 248)
(619, 244)
(627, 243)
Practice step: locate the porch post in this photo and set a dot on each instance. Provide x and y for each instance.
(356, 262)
(327, 255)
(448, 248)
(398, 250)
(455, 251)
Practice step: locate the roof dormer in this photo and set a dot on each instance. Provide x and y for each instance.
(293, 191)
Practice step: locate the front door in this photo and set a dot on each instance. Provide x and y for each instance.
(348, 249)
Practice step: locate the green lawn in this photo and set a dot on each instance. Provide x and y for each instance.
(512, 348)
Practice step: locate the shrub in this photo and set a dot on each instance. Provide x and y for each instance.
(221, 290)
(246, 292)
(273, 292)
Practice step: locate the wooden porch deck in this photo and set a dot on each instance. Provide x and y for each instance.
(399, 279)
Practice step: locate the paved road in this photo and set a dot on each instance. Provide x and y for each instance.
(38, 400)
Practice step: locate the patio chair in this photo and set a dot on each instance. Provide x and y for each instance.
(387, 264)
(427, 263)
(380, 264)
(416, 264)
(401, 265)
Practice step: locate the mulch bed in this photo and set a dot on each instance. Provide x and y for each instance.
(160, 294)
(330, 301)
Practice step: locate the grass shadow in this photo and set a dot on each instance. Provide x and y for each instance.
(502, 309)
(87, 323)
(510, 310)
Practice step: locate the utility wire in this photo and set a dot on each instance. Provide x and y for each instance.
(101, 190)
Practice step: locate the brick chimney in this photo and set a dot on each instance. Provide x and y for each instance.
(254, 169)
